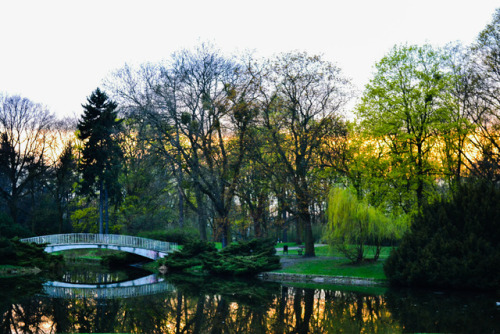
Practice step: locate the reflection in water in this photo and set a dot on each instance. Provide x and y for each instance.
(200, 305)
(146, 285)
(451, 312)
(97, 274)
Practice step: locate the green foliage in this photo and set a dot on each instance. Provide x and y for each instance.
(371, 173)
(352, 224)
(44, 216)
(245, 258)
(85, 217)
(84, 220)
(147, 209)
(98, 128)
(238, 259)
(27, 255)
(7, 252)
(453, 242)
(194, 253)
(178, 235)
(9, 229)
(405, 110)
(100, 164)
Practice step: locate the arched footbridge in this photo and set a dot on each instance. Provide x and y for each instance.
(149, 248)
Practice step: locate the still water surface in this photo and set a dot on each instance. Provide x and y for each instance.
(136, 302)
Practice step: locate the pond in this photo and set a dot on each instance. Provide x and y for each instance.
(137, 302)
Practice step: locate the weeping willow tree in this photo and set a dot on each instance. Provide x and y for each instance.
(354, 224)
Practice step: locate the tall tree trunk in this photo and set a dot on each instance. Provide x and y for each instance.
(420, 177)
(12, 203)
(180, 179)
(101, 199)
(257, 214)
(60, 214)
(181, 200)
(106, 208)
(257, 227)
(201, 210)
(32, 193)
(284, 227)
(305, 221)
(222, 227)
(298, 229)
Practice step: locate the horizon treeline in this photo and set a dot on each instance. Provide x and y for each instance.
(229, 148)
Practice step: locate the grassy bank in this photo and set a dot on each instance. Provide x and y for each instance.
(332, 263)
(336, 267)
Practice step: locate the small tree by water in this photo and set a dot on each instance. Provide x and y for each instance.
(354, 224)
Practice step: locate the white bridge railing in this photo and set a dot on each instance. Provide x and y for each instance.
(104, 239)
(107, 293)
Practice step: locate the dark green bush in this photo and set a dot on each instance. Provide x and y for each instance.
(244, 258)
(7, 252)
(33, 255)
(194, 253)
(180, 236)
(10, 230)
(239, 259)
(452, 243)
(27, 255)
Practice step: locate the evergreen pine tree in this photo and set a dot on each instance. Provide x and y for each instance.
(101, 154)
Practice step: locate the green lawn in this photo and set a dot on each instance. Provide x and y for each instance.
(327, 251)
(337, 267)
(369, 251)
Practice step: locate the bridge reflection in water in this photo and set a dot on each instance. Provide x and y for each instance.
(148, 285)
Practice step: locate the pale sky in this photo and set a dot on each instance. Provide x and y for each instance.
(57, 52)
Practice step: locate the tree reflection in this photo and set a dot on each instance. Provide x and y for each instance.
(445, 311)
(200, 305)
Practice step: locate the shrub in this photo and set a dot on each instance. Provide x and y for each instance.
(244, 258)
(238, 259)
(7, 252)
(10, 230)
(194, 253)
(27, 255)
(452, 243)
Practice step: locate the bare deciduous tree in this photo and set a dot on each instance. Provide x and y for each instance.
(24, 129)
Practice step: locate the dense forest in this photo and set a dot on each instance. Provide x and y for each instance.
(231, 148)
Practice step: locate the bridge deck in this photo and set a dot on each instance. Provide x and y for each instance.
(127, 243)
